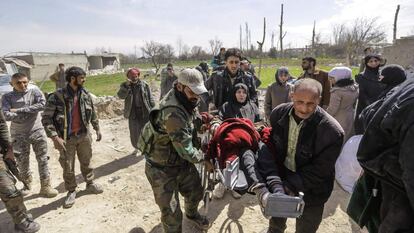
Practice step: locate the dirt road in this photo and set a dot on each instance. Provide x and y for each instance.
(127, 205)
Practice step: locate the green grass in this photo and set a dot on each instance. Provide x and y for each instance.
(108, 84)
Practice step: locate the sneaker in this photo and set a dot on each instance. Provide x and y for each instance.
(70, 200)
(25, 191)
(200, 221)
(218, 191)
(27, 226)
(94, 188)
(235, 194)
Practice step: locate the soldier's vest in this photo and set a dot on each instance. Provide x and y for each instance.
(154, 143)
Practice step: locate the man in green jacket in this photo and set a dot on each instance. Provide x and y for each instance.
(68, 113)
(168, 143)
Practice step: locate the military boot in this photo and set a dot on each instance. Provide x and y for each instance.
(27, 186)
(27, 226)
(200, 221)
(46, 190)
(94, 188)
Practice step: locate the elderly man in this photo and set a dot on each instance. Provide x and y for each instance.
(169, 146)
(306, 142)
(138, 103)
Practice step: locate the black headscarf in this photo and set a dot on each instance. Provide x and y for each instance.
(393, 76)
(235, 109)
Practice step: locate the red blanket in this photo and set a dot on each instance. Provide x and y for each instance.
(231, 138)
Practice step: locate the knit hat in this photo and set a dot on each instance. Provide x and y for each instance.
(340, 73)
(393, 75)
(133, 71)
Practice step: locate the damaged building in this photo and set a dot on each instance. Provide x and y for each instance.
(39, 66)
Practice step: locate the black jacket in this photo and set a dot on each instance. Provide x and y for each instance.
(318, 147)
(222, 87)
(234, 109)
(370, 89)
(386, 149)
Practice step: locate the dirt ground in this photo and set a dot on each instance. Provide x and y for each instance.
(127, 205)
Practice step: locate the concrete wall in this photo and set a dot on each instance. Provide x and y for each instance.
(401, 52)
(45, 64)
(95, 62)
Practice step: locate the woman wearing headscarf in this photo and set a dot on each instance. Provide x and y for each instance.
(278, 92)
(344, 95)
(370, 87)
(239, 105)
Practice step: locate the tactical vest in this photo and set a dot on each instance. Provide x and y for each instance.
(154, 143)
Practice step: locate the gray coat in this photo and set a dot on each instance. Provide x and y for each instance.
(276, 93)
(342, 107)
(125, 92)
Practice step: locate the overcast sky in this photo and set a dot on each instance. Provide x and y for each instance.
(78, 25)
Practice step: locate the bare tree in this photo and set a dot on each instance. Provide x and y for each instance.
(158, 53)
(247, 36)
(394, 36)
(241, 38)
(313, 36)
(261, 46)
(272, 40)
(215, 45)
(179, 45)
(281, 33)
(358, 35)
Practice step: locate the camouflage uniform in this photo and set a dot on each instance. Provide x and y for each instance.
(26, 129)
(57, 124)
(138, 104)
(9, 194)
(170, 160)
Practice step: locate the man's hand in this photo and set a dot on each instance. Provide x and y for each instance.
(59, 143)
(208, 166)
(13, 110)
(9, 154)
(98, 135)
(288, 191)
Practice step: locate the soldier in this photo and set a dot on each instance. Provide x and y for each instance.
(138, 103)
(9, 194)
(168, 144)
(22, 106)
(68, 113)
(59, 76)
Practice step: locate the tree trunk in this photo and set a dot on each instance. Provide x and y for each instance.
(281, 31)
(394, 37)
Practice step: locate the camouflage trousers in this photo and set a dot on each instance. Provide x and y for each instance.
(167, 183)
(21, 149)
(11, 196)
(82, 146)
